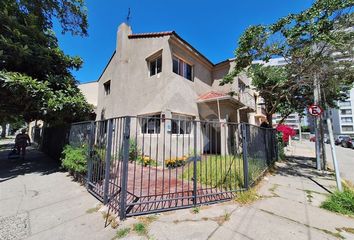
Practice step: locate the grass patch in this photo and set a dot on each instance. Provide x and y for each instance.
(309, 195)
(222, 219)
(223, 171)
(121, 233)
(196, 210)
(94, 209)
(247, 197)
(140, 228)
(341, 202)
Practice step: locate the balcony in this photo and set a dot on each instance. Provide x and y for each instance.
(247, 99)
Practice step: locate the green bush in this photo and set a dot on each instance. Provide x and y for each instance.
(75, 159)
(341, 202)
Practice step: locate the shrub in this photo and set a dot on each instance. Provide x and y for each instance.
(134, 151)
(75, 159)
(176, 162)
(341, 202)
(146, 161)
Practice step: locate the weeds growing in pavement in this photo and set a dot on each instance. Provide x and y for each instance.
(341, 202)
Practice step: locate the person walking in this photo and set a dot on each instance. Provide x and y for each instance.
(22, 140)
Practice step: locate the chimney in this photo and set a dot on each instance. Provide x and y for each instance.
(124, 30)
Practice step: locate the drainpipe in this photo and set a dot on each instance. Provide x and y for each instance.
(217, 101)
(238, 113)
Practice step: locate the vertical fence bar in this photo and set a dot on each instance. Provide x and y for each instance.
(124, 175)
(91, 139)
(276, 144)
(108, 160)
(265, 130)
(245, 155)
(195, 165)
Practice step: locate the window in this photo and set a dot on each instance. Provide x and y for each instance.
(346, 111)
(150, 124)
(344, 104)
(107, 87)
(155, 66)
(181, 124)
(241, 86)
(182, 68)
(347, 128)
(346, 119)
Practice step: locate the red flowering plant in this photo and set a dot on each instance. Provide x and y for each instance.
(286, 131)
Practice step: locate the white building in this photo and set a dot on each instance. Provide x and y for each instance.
(293, 120)
(342, 117)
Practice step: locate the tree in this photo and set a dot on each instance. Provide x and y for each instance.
(33, 99)
(307, 41)
(32, 63)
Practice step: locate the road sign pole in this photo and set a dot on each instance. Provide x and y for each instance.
(334, 156)
(316, 111)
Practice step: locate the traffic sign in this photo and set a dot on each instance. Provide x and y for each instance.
(315, 110)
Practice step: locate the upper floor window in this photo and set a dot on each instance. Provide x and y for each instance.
(182, 68)
(346, 119)
(346, 111)
(155, 66)
(150, 124)
(345, 104)
(241, 86)
(347, 128)
(107, 87)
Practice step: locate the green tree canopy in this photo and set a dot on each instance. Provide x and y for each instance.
(314, 43)
(36, 78)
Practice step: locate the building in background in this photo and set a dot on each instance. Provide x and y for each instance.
(90, 91)
(293, 120)
(342, 117)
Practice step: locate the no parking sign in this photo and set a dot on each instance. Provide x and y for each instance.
(315, 110)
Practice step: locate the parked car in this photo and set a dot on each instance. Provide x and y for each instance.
(338, 140)
(348, 142)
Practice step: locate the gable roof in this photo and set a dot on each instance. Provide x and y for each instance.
(168, 33)
(151, 34)
(162, 34)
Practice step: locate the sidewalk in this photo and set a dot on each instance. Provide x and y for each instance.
(37, 201)
(288, 208)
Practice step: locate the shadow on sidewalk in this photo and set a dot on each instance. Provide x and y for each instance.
(34, 162)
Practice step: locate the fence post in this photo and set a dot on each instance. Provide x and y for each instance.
(124, 175)
(245, 154)
(276, 143)
(266, 145)
(90, 151)
(108, 160)
(195, 165)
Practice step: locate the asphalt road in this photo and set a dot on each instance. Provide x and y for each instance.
(345, 157)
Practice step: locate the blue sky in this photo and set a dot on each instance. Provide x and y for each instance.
(212, 27)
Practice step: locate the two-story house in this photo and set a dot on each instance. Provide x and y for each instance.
(160, 75)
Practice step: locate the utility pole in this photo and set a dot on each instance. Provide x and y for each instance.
(317, 123)
(334, 156)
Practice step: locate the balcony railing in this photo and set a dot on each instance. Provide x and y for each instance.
(247, 99)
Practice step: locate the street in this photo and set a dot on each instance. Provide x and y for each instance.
(345, 157)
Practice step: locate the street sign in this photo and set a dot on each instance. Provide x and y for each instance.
(315, 110)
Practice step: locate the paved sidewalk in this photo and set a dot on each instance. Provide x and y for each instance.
(287, 209)
(37, 201)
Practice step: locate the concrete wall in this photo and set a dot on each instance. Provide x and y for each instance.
(90, 91)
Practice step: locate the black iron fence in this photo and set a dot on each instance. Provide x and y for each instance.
(140, 165)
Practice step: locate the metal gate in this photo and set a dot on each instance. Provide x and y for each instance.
(141, 165)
